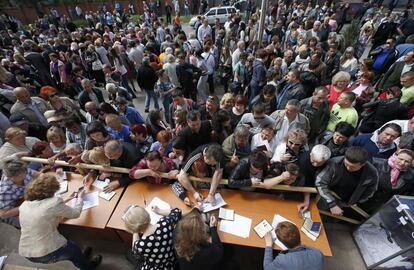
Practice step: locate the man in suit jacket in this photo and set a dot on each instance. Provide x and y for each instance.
(37, 61)
(89, 93)
(292, 89)
(393, 75)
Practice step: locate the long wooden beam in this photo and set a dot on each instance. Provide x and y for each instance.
(164, 175)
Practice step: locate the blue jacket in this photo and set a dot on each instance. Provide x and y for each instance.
(298, 258)
(123, 135)
(364, 140)
(133, 116)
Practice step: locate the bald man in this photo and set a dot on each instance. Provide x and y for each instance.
(92, 112)
(33, 109)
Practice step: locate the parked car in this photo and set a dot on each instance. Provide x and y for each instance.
(213, 13)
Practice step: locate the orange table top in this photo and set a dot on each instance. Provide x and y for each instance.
(257, 206)
(95, 217)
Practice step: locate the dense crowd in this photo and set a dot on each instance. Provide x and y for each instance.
(302, 106)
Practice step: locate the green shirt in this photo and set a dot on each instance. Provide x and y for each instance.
(339, 114)
(407, 95)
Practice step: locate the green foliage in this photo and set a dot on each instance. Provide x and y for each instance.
(81, 23)
(351, 33)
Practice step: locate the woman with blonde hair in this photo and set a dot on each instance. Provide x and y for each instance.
(289, 151)
(40, 215)
(348, 62)
(227, 101)
(56, 138)
(339, 85)
(198, 245)
(152, 241)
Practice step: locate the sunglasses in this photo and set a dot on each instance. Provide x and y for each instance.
(295, 144)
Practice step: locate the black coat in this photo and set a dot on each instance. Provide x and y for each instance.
(147, 77)
(84, 97)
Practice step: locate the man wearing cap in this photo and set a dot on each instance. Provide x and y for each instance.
(32, 108)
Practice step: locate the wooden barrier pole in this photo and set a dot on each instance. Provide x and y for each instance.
(164, 175)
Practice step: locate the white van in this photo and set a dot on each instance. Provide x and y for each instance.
(221, 13)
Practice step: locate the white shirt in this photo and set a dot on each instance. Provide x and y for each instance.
(235, 57)
(285, 128)
(204, 31)
(103, 54)
(406, 68)
(209, 62)
(258, 141)
(349, 65)
(279, 152)
(136, 55)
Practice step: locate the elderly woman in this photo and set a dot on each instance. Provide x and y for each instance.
(363, 89)
(151, 166)
(339, 85)
(17, 144)
(56, 138)
(16, 176)
(396, 177)
(289, 151)
(348, 62)
(152, 240)
(40, 215)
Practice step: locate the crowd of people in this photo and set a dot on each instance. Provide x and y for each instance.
(302, 106)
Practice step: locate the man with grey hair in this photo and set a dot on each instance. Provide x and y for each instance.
(310, 164)
(120, 154)
(89, 93)
(235, 57)
(236, 147)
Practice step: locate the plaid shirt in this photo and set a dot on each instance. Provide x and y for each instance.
(10, 193)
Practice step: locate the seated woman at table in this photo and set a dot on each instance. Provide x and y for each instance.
(143, 142)
(249, 172)
(97, 135)
(163, 143)
(396, 177)
(151, 167)
(296, 257)
(40, 215)
(152, 243)
(16, 176)
(198, 245)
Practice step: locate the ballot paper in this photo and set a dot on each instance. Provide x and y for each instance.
(205, 206)
(63, 188)
(262, 228)
(240, 226)
(107, 195)
(62, 176)
(100, 184)
(161, 205)
(89, 200)
(276, 220)
(227, 214)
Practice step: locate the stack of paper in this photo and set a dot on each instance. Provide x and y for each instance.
(276, 220)
(100, 184)
(207, 207)
(161, 205)
(240, 226)
(311, 229)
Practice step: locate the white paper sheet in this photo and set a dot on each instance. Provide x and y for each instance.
(227, 214)
(207, 207)
(100, 184)
(161, 205)
(276, 220)
(63, 188)
(107, 195)
(89, 200)
(2, 261)
(239, 227)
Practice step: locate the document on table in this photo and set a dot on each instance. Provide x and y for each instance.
(207, 207)
(63, 187)
(276, 220)
(89, 200)
(100, 184)
(240, 226)
(161, 205)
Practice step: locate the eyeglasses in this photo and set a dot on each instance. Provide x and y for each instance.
(295, 144)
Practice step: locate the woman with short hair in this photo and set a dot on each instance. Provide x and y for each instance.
(40, 215)
(291, 148)
(56, 138)
(16, 176)
(152, 242)
(97, 135)
(339, 85)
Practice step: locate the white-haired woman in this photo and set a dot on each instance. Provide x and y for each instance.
(152, 243)
(339, 85)
(348, 61)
